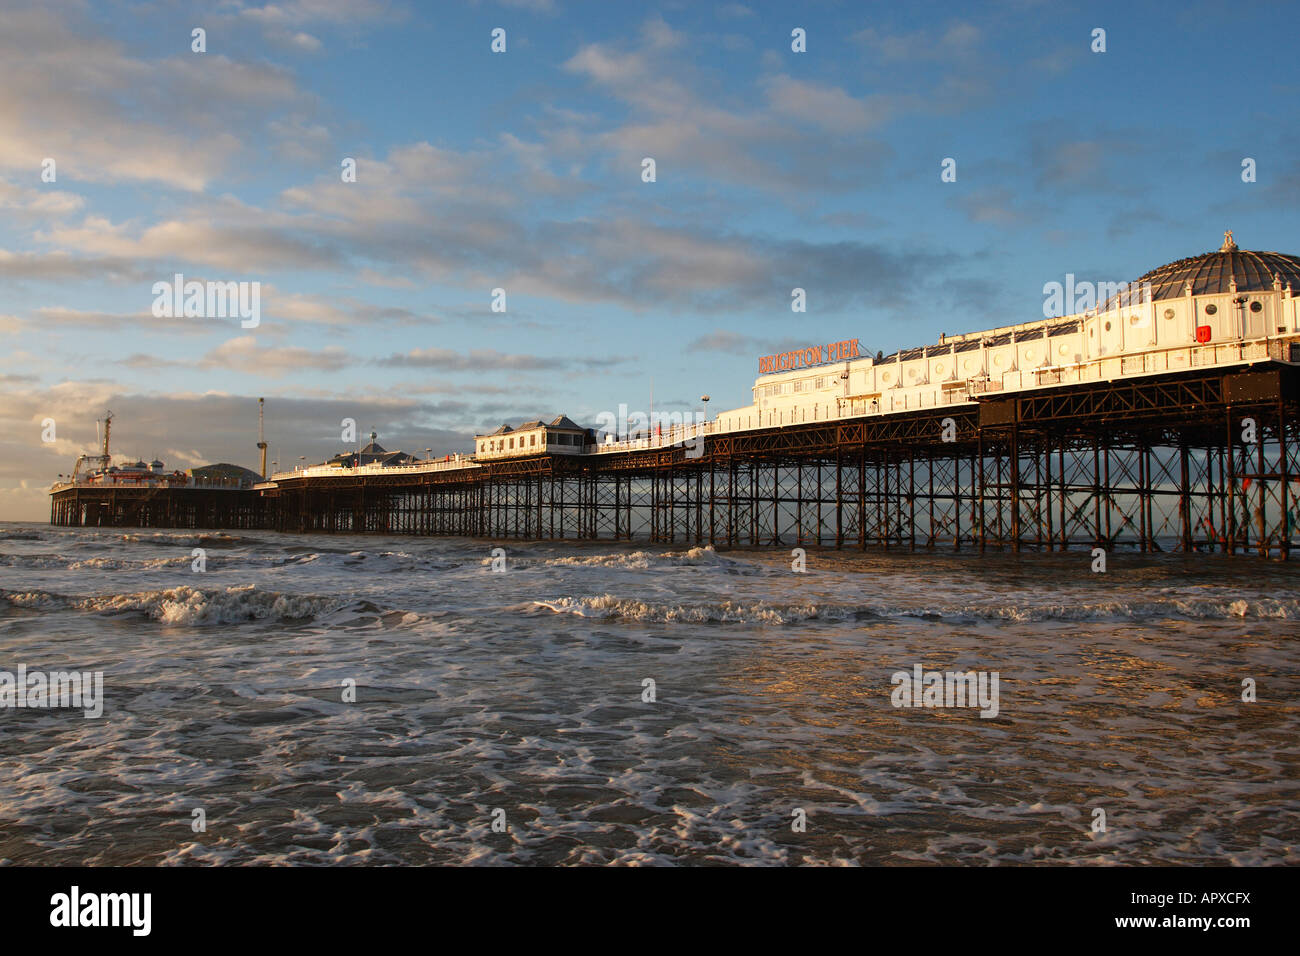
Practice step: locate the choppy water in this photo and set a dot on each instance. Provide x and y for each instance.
(522, 691)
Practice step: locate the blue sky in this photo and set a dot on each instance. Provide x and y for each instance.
(522, 170)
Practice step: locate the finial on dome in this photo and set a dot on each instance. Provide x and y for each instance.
(1228, 244)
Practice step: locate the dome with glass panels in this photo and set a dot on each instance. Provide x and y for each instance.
(1227, 269)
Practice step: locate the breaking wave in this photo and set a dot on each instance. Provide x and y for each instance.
(704, 556)
(209, 538)
(49, 561)
(730, 612)
(632, 560)
(187, 605)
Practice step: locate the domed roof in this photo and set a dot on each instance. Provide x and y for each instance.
(1213, 272)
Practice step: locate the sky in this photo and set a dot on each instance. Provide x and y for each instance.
(523, 171)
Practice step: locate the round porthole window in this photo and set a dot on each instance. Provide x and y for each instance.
(1029, 355)
(1169, 313)
(911, 373)
(1064, 350)
(1107, 326)
(968, 365)
(1256, 306)
(939, 369)
(1134, 320)
(998, 361)
(887, 377)
(1211, 309)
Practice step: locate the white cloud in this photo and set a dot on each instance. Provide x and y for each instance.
(105, 115)
(248, 354)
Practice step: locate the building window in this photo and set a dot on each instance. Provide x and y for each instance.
(532, 439)
(1169, 313)
(1211, 309)
(1255, 306)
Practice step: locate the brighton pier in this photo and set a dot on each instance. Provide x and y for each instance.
(1165, 421)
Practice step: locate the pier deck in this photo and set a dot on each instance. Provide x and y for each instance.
(1197, 460)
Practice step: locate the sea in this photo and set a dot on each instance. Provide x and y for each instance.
(333, 699)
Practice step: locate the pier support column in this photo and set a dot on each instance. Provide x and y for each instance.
(1284, 476)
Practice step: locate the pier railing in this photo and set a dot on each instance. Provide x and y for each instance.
(454, 463)
(221, 484)
(1156, 362)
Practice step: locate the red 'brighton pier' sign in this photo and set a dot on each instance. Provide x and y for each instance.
(812, 355)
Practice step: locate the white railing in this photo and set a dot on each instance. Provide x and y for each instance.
(455, 463)
(231, 484)
(1146, 363)
(675, 435)
(820, 412)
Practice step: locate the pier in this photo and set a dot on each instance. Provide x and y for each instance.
(81, 504)
(1201, 460)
